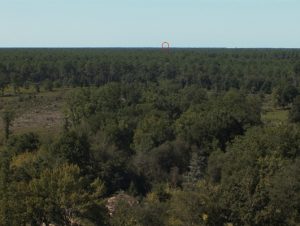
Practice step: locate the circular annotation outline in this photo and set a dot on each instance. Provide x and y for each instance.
(165, 45)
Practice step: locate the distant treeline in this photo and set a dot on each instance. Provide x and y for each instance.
(254, 70)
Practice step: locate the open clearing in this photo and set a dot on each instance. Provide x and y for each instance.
(42, 113)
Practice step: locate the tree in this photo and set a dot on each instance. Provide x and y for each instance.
(247, 168)
(123, 210)
(7, 118)
(197, 167)
(27, 142)
(74, 148)
(149, 212)
(220, 119)
(158, 164)
(79, 105)
(3, 83)
(16, 82)
(285, 95)
(297, 69)
(48, 84)
(61, 196)
(37, 87)
(192, 95)
(5, 214)
(294, 113)
(152, 131)
(284, 193)
(187, 208)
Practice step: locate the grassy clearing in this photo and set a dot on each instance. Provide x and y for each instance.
(275, 116)
(41, 113)
(271, 114)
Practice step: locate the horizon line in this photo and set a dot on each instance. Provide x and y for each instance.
(132, 47)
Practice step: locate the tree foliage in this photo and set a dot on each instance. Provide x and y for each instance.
(181, 134)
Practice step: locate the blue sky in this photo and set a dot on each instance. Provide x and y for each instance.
(147, 23)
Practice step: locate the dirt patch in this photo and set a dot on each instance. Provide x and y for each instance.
(38, 119)
(41, 113)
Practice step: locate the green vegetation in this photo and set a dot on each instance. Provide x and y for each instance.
(114, 137)
(275, 116)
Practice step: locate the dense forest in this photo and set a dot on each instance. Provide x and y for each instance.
(145, 137)
(218, 69)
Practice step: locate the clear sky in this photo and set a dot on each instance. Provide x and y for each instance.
(147, 23)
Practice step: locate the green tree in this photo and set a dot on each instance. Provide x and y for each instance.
(5, 214)
(158, 164)
(247, 168)
(37, 87)
(3, 83)
(187, 208)
(73, 148)
(284, 95)
(153, 130)
(220, 119)
(284, 193)
(26, 142)
(7, 118)
(294, 113)
(79, 106)
(197, 166)
(60, 196)
(48, 85)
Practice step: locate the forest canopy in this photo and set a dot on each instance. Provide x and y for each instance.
(150, 138)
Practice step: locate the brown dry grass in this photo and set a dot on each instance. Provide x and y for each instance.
(41, 113)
